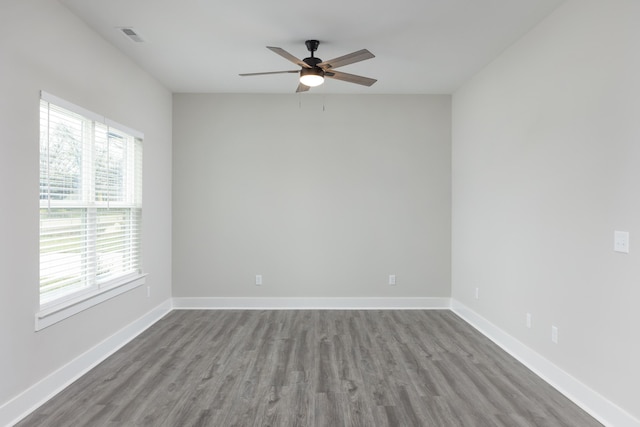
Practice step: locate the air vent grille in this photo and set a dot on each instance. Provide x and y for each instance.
(132, 34)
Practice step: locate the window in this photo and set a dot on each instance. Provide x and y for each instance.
(90, 203)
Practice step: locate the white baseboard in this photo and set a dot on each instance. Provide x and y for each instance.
(311, 303)
(26, 402)
(593, 403)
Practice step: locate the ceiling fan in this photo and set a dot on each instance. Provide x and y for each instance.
(313, 70)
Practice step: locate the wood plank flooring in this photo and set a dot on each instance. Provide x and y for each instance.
(310, 368)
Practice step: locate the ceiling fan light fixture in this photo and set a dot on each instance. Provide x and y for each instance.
(312, 77)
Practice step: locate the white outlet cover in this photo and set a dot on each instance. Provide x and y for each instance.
(621, 241)
(554, 334)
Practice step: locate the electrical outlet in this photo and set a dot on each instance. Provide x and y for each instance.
(621, 241)
(477, 293)
(392, 279)
(528, 320)
(148, 291)
(258, 279)
(554, 334)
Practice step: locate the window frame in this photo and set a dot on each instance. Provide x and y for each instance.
(55, 310)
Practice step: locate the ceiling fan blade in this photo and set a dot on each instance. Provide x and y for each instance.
(351, 78)
(302, 88)
(350, 58)
(268, 72)
(286, 55)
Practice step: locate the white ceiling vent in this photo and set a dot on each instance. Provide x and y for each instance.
(131, 34)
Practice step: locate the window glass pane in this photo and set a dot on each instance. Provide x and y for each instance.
(63, 257)
(117, 242)
(112, 168)
(61, 154)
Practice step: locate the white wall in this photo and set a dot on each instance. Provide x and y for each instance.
(325, 196)
(44, 47)
(546, 165)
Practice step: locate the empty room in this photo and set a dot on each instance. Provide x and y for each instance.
(418, 213)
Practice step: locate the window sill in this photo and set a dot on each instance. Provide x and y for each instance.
(54, 314)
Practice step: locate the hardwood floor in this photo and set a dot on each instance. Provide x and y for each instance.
(310, 368)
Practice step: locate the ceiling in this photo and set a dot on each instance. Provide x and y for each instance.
(421, 46)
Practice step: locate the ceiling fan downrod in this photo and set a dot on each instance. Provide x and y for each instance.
(312, 46)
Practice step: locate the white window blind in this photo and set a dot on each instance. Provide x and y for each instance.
(90, 202)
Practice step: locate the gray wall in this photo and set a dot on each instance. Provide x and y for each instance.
(44, 47)
(325, 196)
(546, 165)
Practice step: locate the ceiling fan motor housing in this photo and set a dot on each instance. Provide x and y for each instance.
(312, 61)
